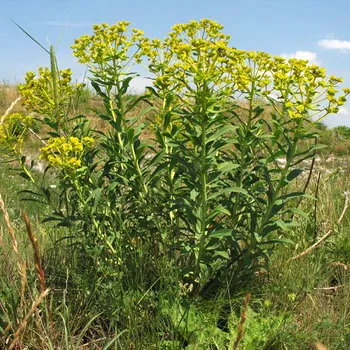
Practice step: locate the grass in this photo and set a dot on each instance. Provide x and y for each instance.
(51, 298)
(295, 305)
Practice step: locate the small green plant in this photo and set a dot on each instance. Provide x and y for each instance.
(263, 331)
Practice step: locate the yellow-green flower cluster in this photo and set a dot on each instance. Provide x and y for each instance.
(13, 129)
(198, 53)
(304, 89)
(109, 44)
(197, 56)
(193, 53)
(65, 153)
(45, 95)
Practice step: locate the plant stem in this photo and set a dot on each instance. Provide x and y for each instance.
(203, 176)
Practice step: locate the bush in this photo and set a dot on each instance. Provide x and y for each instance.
(204, 199)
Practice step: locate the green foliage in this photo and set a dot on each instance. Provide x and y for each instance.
(264, 331)
(156, 227)
(209, 193)
(343, 131)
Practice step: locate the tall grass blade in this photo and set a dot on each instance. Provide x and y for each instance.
(31, 37)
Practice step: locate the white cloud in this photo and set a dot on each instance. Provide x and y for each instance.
(341, 118)
(303, 55)
(334, 44)
(138, 85)
(343, 111)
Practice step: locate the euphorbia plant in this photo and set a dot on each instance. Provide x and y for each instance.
(239, 112)
(206, 189)
(51, 94)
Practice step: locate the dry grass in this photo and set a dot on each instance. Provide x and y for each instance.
(319, 302)
(23, 324)
(8, 94)
(24, 307)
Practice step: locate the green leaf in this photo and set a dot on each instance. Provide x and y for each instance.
(97, 88)
(113, 340)
(317, 146)
(309, 196)
(282, 225)
(25, 175)
(96, 194)
(269, 228)
(221, 233)
(222, 253)
(258, 111)
(130, 135)
(227, 166)
(193, 194)
(228, 190)
(219, 209)
(293, 174)
(278, 241)
(277, 207)
(224, 130)
(30, 192)
(292, 195)
(299, 212)
(286, 225)
(212, 247)
(125, 85)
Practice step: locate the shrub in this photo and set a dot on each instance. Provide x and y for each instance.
(205, 196)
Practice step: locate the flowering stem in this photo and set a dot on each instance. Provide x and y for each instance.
(203, 176)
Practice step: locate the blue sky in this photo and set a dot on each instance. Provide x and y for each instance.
(317, 30)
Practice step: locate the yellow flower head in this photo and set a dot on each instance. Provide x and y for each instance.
(108, 43)
(41, 94)
(66, 153)
(197, 55)
(13, 130)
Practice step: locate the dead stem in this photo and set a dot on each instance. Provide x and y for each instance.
(10, 228)
(240, 327)
(24, 322)
(324, 237)
(9, 109)
(37, 259)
